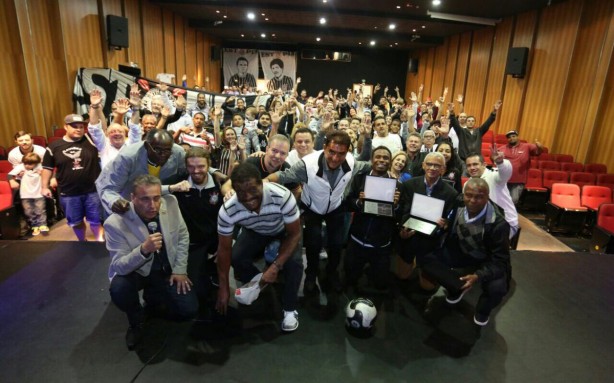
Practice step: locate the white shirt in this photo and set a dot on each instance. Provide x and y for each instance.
(391, 141)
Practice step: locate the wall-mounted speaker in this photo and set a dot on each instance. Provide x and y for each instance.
(412, 67)
(215, 53)
(117, 31)
(517, 62)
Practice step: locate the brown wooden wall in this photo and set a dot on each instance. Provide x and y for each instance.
(46, 42)
(566, 100)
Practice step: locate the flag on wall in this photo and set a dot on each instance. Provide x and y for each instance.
(240, 67)
(279, 69)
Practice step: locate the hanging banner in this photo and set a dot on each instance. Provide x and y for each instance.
(240, 68)
(279, 69)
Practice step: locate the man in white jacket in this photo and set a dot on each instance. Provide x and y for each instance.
(497, 183)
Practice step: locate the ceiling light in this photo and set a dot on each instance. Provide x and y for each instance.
(266, 19)
(225, 16)
(436, 2)
(396, 43)
(318, 39)
(392, 26)
(242, 35)
(263, 35)
(462, 19)
(324, 1)
(424, 26)
(372, 43)
(413, 30)
(398, 7)
(273, 34)
(217, 11)
(251, 16)
(263, 14)
(359, 43)
(322, 20)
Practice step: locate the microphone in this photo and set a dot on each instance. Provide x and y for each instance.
(153, 228)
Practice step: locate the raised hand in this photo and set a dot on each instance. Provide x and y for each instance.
(122, 105)
(166, 111)
(298, 80)
(217, 111)
(396, 89)
(421, 88)
(275, 117)
(414, 98)
(135, 96)
(498, 105)
(241, 143)
(95, 98)
(459, 98)
(181, 102)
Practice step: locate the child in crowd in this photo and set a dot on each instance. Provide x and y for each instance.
(33, 202)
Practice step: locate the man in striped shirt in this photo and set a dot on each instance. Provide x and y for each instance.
(279, 80)
(265, 212)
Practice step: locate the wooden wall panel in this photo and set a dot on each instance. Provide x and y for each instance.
(496, 72)
(47, 66)
(13, 74)
(479, 62)
(439, 71)
(210, 78)
(200, 57)
(112, 58)
(577, 121)
(152, 40)
(82, 36)
(428, 73)
(135, 51)
(180, 49)
(190, 55)
(558, 27)
(513, 99)
(462, 63)
(169, 46)
(452, 56)
(600, 108)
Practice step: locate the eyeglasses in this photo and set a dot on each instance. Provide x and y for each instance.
(432, 165)
(160, 151)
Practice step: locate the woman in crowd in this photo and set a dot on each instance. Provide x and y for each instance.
(453, 165)
(398, 168)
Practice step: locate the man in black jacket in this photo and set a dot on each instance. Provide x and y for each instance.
(475, 251)
(470, 138)
(371, 235)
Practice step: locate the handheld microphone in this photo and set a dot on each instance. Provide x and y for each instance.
(153, 228)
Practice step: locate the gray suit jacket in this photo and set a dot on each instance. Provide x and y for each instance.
(125, 234)
(115, 180)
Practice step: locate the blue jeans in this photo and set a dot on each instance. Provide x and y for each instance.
(76, 207)
(156, 292)
(335, 231)
(35, 210)
(249, 246)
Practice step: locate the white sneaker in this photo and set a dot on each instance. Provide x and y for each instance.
(290, 322)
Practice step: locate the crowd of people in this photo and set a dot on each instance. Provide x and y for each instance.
(184, 193)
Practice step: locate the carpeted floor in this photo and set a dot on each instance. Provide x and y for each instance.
(58, 325)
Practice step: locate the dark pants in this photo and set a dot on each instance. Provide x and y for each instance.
(156, 292)
(200, 267)
(446, 268)
(249, 247)
(357, 256)
(313, 241)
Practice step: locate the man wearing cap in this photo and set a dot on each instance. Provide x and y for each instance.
(519, 154)
(74, 159)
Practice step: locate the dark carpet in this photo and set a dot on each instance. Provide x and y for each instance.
(58, 325)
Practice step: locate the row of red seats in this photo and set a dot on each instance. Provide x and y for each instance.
(602, 240)
(539, 180)
(37, 140)
(568, 166)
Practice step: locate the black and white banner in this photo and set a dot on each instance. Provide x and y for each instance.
(279, 69)
(240, 67)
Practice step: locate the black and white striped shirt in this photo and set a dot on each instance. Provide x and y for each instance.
(284, 83)
(278, 208)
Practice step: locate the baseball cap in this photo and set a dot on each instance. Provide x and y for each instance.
(250, 291)
(510, 133)
(73, 119)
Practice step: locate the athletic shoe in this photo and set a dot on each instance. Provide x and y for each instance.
(481, 319)
(35, 231)
(455, 298)
(290, 322)
(44, 229)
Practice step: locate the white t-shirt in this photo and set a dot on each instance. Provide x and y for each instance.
(30, 186)
(391, 141)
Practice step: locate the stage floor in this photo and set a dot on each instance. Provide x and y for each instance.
(58, 325)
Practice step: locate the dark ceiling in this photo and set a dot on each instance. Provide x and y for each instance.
(349, 23)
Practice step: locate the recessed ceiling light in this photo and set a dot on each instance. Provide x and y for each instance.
(263, 14)
(266, 19)
(372, 43)
(251, 16)
(273, 34)
(242, 35)
(217, 11)
(359, 43)
(392, 26)
(424, 26)
(225, 16)
(398, 7)
(396, 43)
(318, 39)
(324, 1)
(263, 35)
(436, 2)
(413, 30)
(322, 20)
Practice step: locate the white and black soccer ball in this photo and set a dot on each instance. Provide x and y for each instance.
(360, 314)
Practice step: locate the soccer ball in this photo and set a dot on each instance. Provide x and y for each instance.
(360, 314)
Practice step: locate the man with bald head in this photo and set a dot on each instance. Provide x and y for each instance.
(158, 155)
(476, 250)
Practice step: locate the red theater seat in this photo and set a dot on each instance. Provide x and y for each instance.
(581, 178)
(596, 168)
(563, 157)
(554, 176)
(572, 167)
(565, 212)
(603, 232)
(548, 165)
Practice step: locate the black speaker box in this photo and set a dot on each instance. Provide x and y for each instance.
(215, 53)
(412, 67)
(117, 31)
(517, 62)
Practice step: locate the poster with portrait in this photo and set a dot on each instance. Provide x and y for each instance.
(240, 67)
(279, 69)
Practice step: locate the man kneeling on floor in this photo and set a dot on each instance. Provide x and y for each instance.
(265, 212)
(148, 246)
(476, 250)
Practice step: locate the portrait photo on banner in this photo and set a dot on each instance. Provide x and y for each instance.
(279, 69)
(240, 67)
